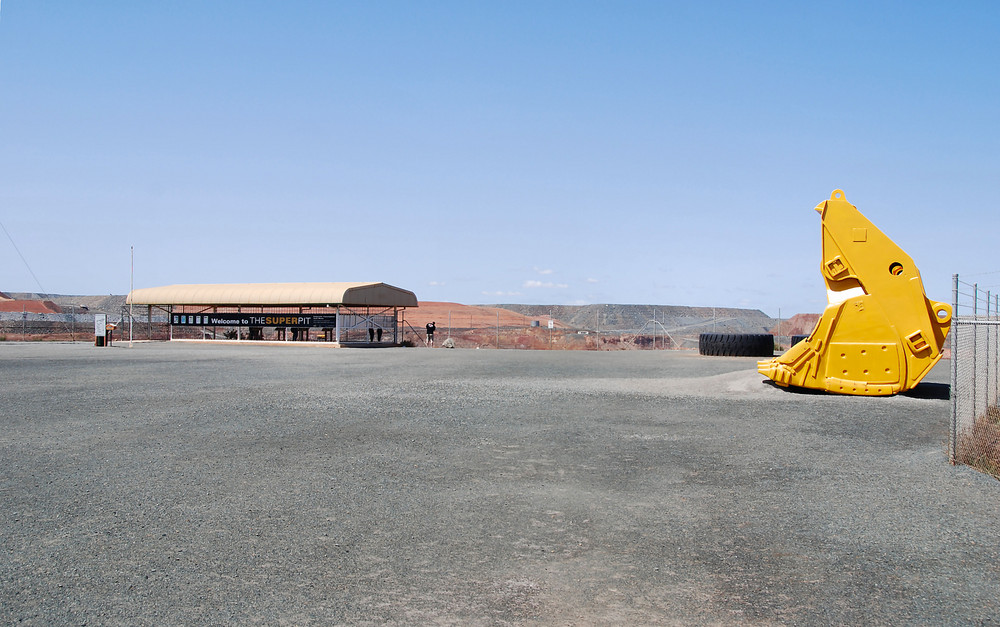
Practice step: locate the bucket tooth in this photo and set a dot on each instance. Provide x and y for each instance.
(879, 334)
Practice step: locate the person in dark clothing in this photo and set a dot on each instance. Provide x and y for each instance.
(430, 333)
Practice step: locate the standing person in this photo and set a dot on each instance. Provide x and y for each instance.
(430, 333)
(371, 334)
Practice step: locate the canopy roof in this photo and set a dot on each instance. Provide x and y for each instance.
(276, 294)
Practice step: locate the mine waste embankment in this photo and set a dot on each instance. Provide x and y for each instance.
(602, 326)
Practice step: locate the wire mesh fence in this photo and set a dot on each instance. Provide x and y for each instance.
(35, 326)
(526, 337)
(975, 378)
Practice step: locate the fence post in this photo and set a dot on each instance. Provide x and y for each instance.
(953, 430)
(989, 332)
(975, 345)
(991, 335)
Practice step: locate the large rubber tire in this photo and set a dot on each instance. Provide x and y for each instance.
(736, 344)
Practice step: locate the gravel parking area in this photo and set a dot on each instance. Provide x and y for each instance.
(180, 483)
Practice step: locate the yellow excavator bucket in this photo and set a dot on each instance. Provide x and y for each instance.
(879, 334)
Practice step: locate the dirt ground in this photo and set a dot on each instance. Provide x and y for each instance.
(176, 483)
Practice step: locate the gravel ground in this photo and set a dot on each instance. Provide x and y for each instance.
(233, 484)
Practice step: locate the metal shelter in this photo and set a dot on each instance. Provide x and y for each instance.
(341, 313)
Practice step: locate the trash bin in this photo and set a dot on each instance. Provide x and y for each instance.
(99, 340)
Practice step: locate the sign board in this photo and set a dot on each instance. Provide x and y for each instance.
(100, 325)
(253, 320)
(552, 324)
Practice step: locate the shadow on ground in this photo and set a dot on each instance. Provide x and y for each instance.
(929, 391)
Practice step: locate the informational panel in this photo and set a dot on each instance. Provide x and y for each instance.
(252, 320)
(100, 325)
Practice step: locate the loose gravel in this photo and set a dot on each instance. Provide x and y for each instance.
(181, 483)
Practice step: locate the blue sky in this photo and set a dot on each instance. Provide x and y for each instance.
(515, 152)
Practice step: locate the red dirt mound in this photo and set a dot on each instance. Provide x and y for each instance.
(799, 324)
(30, 306)
(468, 316)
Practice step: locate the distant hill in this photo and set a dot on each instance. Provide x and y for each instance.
(111, 304)
(799, 324)
(682, 323)
(8, 305)
(466, 316)
(683, 319)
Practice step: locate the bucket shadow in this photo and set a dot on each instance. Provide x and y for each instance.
(792, 389)
(929, 391)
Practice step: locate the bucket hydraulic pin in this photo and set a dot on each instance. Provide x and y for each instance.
(879, 334)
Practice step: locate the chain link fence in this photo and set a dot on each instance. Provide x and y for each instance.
(78, 327)
(975, 378)
(27, 326)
